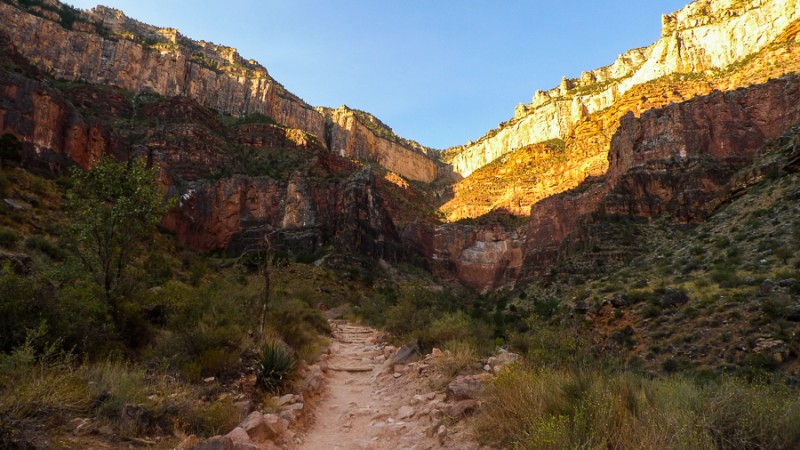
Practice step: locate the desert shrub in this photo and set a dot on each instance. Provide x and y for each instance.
(742, 415)
(159, 269)
(38, 384)
(41, 244)
(549, 345)
(451, 327)
(546, 308)
(276, 366)
(219, 417)
(413, 311)
(8, 239)
(299, 325)
(207, 325)
(557, 408)
(458, 357)
(19, 310)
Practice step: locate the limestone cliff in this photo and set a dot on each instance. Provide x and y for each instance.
(704, 36)
(104, 46)
(356, 134)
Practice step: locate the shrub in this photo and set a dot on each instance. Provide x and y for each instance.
(550, 408)
(8, 239)
(40, 243)
(450, 327)
(458, 357)
(299, 325)
(276, 366)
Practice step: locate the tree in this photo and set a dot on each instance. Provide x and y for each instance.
(116, 207)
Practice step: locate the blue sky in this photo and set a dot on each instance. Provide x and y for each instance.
(441, 72)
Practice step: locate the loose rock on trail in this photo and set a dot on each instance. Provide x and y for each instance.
(369, 403)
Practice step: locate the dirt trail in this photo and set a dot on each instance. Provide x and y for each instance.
(366, 405)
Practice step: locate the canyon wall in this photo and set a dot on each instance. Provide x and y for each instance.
(676, 162)
(235, 213)
(350, 137)
(706, 35)
(108, 48)
(481, 257)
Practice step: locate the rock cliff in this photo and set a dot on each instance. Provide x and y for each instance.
(236, 179)
(676, 162)
(482, 257)
(703, 37)
(359, 135)
(103, 46)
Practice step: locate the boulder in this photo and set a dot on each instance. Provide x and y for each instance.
(465, 387)
(405, 354)
(238, 435)
(463, 408)
(405, 412)
(256, 427)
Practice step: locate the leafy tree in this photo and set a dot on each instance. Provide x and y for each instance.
(116, 207)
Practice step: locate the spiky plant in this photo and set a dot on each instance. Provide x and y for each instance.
(276, 365)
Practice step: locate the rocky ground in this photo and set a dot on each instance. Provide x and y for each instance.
(371, 396)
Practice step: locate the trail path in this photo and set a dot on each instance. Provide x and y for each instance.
(368, 406)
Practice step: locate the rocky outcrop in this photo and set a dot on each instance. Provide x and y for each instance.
(481, 257)
(350, 137)
(704, 36)
(75, 55)
(676, 161)
(106, 47)
(52, 131)
(235, 213)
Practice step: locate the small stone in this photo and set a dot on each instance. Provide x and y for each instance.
(463, 408)
(467, 386)
(286, 399)
(294, 407)
(405, 412)
(239, 435)
(215, 443)
(256, 427)
(208, 380)
(441, 434)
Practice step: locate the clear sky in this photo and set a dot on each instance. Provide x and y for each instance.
(441, 72)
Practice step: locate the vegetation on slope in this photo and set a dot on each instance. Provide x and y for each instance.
(74, 347)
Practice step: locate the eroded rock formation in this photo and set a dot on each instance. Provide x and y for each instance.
(676, 161)
(704, 36)
(106, 47)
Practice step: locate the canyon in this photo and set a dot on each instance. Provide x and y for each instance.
(659, 133)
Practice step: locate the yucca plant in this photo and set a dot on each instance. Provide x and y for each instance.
(276, 365)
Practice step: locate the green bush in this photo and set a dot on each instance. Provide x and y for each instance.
(299, 325)
(276, 366)
(41, 244)
(8, 239)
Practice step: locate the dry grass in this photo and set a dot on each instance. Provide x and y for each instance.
(458, 357)
(561, 409)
